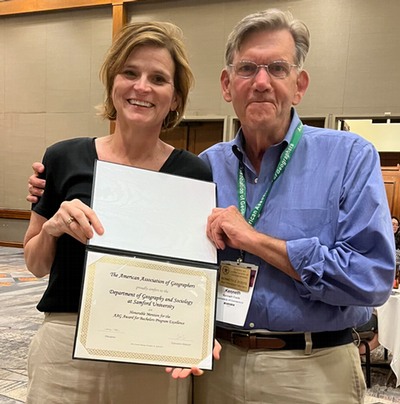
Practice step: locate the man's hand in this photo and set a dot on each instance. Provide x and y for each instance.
(228, 227)
(35, 184)
(181, 373)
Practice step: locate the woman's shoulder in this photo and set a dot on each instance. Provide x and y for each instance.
(71, 149)
(183, 163)
(68, 144)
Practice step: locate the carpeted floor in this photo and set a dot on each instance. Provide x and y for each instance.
(383, 381)
(19, 293)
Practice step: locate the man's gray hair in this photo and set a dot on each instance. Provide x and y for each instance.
(269, 20)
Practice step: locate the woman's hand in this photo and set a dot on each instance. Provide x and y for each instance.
(40, 244)
(181, 373)
(76, 219)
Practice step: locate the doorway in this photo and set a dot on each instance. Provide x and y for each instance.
(195, 136)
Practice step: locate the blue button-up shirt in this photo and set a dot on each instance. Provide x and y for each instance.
(330, 207)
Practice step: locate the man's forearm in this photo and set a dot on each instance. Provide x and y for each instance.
(272, 251)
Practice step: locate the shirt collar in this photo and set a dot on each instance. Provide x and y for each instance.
(237, 143)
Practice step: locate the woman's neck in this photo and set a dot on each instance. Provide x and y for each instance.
(142, 149)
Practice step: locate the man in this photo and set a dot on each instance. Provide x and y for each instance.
(322, 241)
(319, 244)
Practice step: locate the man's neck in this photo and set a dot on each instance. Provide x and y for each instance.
(257, 143)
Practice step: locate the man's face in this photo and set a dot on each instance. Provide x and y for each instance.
(263, 102)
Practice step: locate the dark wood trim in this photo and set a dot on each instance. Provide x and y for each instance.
(13, 244)
(15, 214)
(120, 18)
(34, 6)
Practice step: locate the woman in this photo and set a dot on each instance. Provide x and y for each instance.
(395, 223)
(147, 80)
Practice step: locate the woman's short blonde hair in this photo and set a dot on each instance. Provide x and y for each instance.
(160, 34)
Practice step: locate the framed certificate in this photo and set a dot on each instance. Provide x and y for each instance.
(149, 290)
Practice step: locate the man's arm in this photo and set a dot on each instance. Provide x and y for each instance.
(357, 269)
(228, 227)
(35, 184)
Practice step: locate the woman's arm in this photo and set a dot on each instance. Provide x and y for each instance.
(39, 247)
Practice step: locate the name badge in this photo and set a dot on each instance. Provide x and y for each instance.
(235, 277)
(235, 290)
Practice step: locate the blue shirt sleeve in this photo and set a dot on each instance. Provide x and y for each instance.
(360, 266)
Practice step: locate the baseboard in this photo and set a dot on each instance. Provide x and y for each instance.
(14, 244)
(15, 214)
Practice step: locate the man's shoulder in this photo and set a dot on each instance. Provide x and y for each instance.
(186, 164)
(324, 135)
(220, 148)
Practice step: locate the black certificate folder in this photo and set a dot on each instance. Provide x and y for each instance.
(150, 280)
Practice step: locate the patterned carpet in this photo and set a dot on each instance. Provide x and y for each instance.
(383, 381)
(19, 293)
(19, 320)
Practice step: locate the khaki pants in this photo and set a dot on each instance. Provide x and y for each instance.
(327, 376)
(56, 378)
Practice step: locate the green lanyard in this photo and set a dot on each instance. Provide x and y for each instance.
(283, 162)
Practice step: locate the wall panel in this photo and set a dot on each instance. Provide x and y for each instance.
(22, 140)
(349, 39)
(375, 33)
(25, 64)
(2, 67)
(49, 63)
(2, 162)
(329, 24)
(203, 25)
(68, 64)
(49, 86)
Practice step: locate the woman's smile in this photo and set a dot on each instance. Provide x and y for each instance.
(143, 93)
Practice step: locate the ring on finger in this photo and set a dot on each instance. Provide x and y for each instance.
(70, 220)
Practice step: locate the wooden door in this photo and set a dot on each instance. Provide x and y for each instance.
(389, 159)
(391, 178)
(195, 136)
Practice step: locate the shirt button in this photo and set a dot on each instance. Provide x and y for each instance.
(251, 325)
(256, 180)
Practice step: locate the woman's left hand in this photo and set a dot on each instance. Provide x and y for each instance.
(181, 373)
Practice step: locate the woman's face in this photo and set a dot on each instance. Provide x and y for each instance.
(143, 92)
(395, 224)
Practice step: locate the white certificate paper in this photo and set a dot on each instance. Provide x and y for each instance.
(149, 290)
(153, 213)
(144, 311)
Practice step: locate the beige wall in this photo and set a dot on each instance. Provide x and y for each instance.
(353, 61)
(49, 84)
(385, 137)
(49, 66)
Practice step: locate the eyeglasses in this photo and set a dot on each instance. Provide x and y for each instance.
(278, 69)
